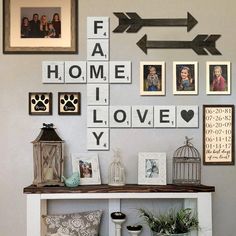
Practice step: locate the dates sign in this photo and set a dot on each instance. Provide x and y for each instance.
(218, 134)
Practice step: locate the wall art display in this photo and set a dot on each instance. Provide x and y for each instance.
(40, 103)
(218, 134)
(185, 78)
(69, 103)
(152, 168)
(88, 166)
(152, 78)
(40, 27)
(218, 77)
(200, 44)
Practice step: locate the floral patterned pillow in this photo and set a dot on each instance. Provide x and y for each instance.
(76, 224)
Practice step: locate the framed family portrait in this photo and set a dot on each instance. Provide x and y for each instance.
(152, 78)
(69, 103)
(218, 77)
(40, 26)
(185, 78)
(40, 103)
(88, 166)
(152, 168)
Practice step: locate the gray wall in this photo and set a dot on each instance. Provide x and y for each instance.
(21, 74)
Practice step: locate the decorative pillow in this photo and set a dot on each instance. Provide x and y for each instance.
(76, 224)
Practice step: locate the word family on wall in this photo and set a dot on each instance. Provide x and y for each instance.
(98, 72)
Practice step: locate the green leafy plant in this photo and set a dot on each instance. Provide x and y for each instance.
(172, 222)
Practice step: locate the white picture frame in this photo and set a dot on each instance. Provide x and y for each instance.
(151, 168)
(87, 165)
(224, 79)
(183, 86)
(152, 70)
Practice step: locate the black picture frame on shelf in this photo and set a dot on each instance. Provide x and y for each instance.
(32, 36)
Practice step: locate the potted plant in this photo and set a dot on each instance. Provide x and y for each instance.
(171, 223)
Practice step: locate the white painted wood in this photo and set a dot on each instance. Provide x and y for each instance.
(201, 202)
(114, 206)
(98, 94)
(120, 116)
(186, 111)
(33, 215)
(98, 139)
(97, 27)
(120, 72)
(191, 203)
(75, 72)
(164, 116)
(142, 116)
(98, 49)
(97, 72)
(53, 72)
(204, 210)
(97, 116)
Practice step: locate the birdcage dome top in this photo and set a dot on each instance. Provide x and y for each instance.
(187, 151)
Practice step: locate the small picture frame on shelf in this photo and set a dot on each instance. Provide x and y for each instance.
(185, 78)
(87, 165)
(152, 78)
(69, 103)
(40, 103)
(218, 77)
(152, 168)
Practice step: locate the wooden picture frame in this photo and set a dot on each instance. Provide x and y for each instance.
(186, 84)
(218, 135)
(40, 103)
(152, 78)
(69, 103)
(152, 168)
(218, 78)
(87, 165)
(28, 27)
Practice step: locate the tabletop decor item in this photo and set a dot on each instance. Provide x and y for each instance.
(118, 218)
(48, 156)
(116, 171)
(178, 223)
(36, 27)
(73, 180)
(187, 165)
(152, 168)
(134, 230)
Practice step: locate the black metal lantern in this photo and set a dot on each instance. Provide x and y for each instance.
(48, 158)
(187, 165)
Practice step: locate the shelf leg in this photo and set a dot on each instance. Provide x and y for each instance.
(114, 205)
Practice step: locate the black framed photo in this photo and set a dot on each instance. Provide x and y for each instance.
(40, 103)
(69, 103)
(218, 134)
(40, 26)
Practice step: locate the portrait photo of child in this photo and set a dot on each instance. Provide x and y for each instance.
(185, 78)
(152, 78)
(218, 77)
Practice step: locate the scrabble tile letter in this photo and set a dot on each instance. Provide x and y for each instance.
(75, 71)
(97, 50)
(97, 27)
(53, 72)
(164, 116)
(98, 139)
(120, 72)
(97, 94)
(142, 116)
(120, 116)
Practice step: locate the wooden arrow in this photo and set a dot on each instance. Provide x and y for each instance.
(132, 22)
(198, 44)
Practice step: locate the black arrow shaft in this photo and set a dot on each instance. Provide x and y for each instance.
(164, 22)
(169, 44)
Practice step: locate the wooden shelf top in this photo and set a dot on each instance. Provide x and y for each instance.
(128, 188)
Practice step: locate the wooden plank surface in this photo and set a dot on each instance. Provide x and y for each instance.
(129, 188)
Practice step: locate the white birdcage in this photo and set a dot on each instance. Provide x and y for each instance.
(116, 171)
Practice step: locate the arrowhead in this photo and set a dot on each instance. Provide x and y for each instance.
(211, 44)
(135, 22)
(191, 22)
(142, 43)
(198, 44)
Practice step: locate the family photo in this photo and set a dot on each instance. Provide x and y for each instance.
(85, 168)
(44, 22)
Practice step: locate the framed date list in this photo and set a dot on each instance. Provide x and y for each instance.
(218, 134)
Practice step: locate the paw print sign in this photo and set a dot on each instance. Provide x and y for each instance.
(69, 103)
(40, 103)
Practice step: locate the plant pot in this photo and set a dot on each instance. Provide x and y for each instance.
(158, 234)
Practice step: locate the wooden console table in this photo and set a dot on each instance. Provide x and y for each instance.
(197, 197)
